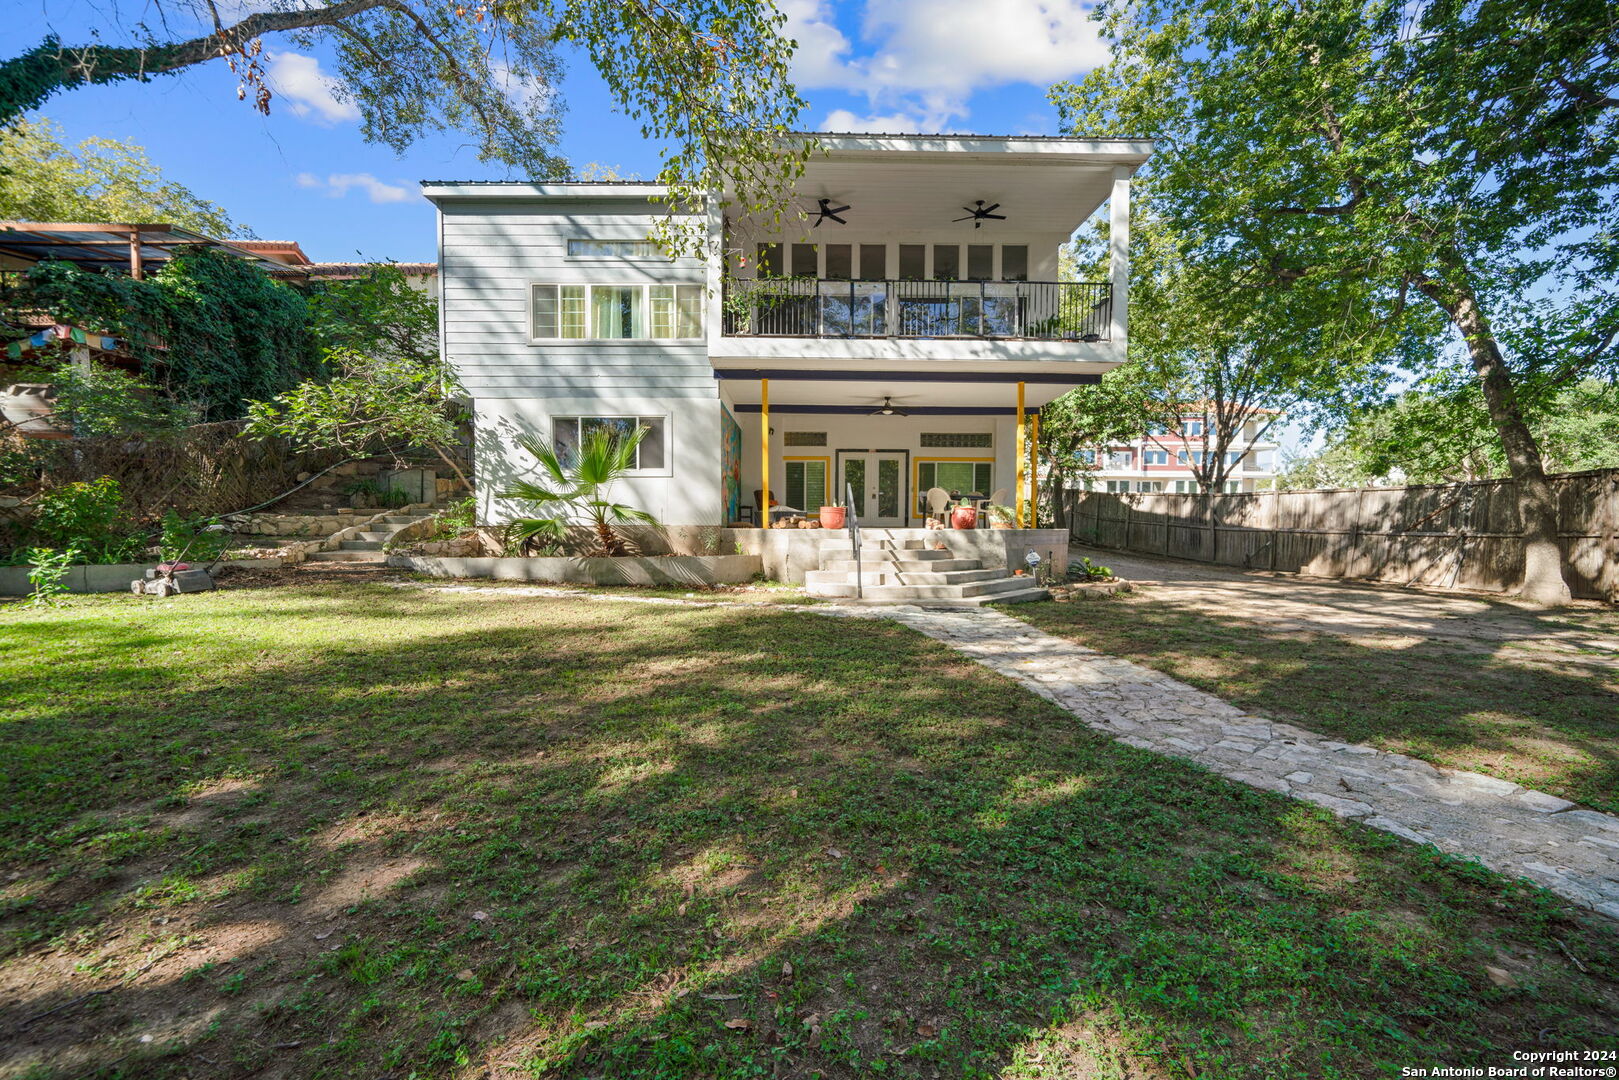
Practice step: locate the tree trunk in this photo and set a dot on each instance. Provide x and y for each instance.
(1537, 504)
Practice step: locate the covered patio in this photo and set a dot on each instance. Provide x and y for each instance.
(811, 437)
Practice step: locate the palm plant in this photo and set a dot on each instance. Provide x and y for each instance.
(576, 493)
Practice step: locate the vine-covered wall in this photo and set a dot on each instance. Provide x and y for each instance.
(208, 327)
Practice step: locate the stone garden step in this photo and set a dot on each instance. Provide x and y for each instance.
(346, 556)
(361, 545)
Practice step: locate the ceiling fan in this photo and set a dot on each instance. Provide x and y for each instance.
(888, 408)
(825, 210)
(979, 213)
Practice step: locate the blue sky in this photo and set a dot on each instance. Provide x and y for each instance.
(303, 173)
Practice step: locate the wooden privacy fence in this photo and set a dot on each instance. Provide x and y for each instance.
(1460, 536)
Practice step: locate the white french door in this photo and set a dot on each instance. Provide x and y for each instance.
(877, 478)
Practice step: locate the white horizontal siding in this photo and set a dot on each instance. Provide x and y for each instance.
(492, 252)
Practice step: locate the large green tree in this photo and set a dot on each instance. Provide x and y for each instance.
(1456, 156)
(44, 179)
(706, 79)
(1425, 437)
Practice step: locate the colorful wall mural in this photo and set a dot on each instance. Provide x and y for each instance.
(731, 466)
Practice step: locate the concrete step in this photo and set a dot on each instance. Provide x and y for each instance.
(903, 566)
(346, 556)
(877, 554)
(404, 519)
(1021, 597)
(920, 577)
(361, 545)
(377, 535)
(1013, 591)
(920, 593)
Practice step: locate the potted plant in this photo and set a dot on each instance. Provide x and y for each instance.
(964, 517)
(1000, 517)
(833, 517)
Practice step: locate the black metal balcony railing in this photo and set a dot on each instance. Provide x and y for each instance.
(836, 308)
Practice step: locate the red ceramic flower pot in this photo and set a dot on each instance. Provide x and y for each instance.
(964, 517)
(831, 517)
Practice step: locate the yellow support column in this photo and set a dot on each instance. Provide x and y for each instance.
(1034, 471)
(764, 453)
(1022, 457)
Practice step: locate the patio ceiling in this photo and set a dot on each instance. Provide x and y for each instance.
(896, 187)
(914, 391)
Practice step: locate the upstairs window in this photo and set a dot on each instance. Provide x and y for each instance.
(873, 262)
(912, 258)
(946, 262)
(980, 262)
(615, 312)
(1155, 457)
(806, 260)
(559, 312)
(613, 249)
(1014, 262)
(803, 438)
(1191, 428)
(839, 262)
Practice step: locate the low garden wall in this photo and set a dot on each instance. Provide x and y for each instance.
(788, 554)
(676, 570)
(105, 577)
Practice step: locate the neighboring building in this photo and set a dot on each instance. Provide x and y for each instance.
(1163, 458)
(888, 343)
(298, 268)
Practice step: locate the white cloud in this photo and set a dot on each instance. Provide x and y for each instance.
(308, 91)
(920, 120)
(920, 65)
(820, 59)
(337, 185)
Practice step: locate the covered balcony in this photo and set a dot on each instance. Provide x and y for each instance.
(916, 250)
(907, 308)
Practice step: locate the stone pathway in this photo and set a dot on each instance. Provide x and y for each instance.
(1510, 829)
(1513, 830)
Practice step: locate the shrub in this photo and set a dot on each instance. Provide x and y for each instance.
(47, 568)
(88, 516)
(188, 539)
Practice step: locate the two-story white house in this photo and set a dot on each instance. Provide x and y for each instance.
(886, 345)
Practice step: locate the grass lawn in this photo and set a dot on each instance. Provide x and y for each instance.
(1534, 719)
(359, 831)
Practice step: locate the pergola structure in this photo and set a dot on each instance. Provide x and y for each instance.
(101, 245)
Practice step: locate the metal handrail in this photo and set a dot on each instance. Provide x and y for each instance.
(852, 520)
(917, 308)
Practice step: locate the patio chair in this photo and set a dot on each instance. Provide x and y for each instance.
(998, 497)
(938, 502)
